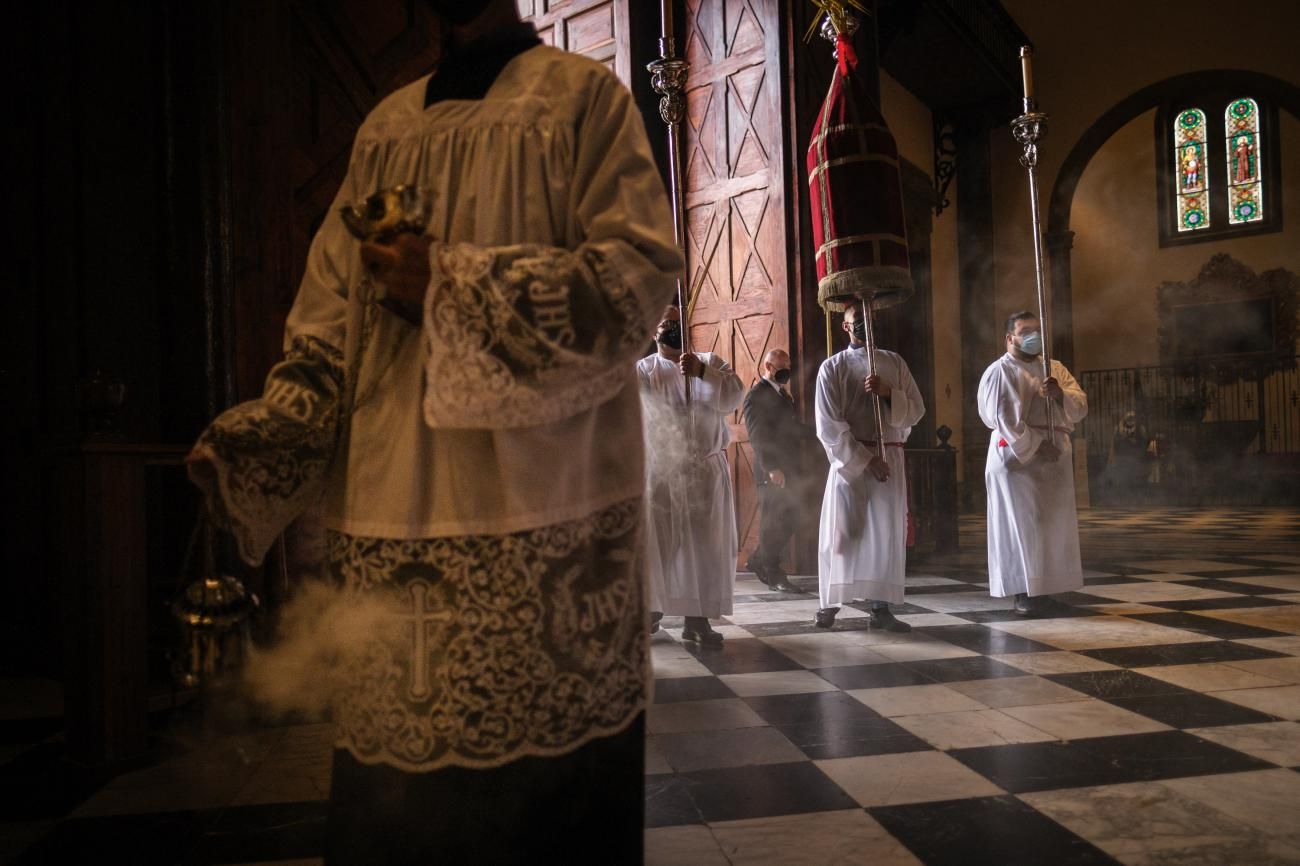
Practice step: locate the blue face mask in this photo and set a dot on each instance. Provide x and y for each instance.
(1032, 343)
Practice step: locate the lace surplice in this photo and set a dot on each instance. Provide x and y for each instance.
(270, 456)
(517, 337)
(545, 649)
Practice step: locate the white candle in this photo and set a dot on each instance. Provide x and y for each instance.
(1026, 71)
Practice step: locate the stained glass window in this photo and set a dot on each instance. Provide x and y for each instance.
(1241, 139)
(1193, 182)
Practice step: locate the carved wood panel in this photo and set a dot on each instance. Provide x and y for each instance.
(735, 206)
(595, 28)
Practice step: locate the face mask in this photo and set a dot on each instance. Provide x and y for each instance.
(459, 11)
(1032, 343)
(670, 335)
(860, 330)
(781, 376)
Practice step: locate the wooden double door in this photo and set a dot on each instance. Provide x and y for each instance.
(736, 237)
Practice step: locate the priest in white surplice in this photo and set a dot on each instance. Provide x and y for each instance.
(474, 439)
(862, 542)
(691, 537)
(1033, 530)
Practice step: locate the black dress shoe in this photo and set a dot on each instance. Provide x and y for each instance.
(775, 578)
(1024, 605)
(883, 617)
(825, 618)
(655, 617)
(698, 630)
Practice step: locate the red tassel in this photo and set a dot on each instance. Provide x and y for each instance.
(1002, 443)
(847, 56)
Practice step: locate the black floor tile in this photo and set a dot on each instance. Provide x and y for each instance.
(899, 609)
(155, 839)
(1226, 603)
(1080, 598)
(1060, 611)
(1024, 767)
(1221, 585)
(1179, 654)
(1221, 576)
(1206, 625)
(810, 708)
(675, 689)
(776, 629)
(1191, 710)
(981, 579)
(1122, 569)
(1116, 684)
(834, 725)
(941, 589)
(985, 830)
(743, 656)
(1273, 567)
(961, 669)
(668, 801)
(851, 739)
(762, 791)
(982, 639)
(262, 833)
(873, 676)
(1111, 580)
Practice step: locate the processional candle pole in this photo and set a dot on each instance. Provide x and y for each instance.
(869, 322)
(1029, 129)
(668, 78)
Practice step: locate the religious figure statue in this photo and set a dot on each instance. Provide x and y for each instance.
(1191, 170)
(1243, 164)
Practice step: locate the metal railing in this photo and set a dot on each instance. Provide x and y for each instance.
(1213, 430)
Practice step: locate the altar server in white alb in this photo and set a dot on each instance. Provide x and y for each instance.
(474, 438)
(692, 520)
(862, 542)
(1032, 525)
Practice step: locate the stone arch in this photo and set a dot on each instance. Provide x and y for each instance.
(1060, 238)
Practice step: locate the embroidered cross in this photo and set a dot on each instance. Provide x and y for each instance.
(423, 620)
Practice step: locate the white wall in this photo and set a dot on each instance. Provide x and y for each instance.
(1090, 57)
(913, 129)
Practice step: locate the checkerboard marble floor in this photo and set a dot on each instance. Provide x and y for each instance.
(1150, 718)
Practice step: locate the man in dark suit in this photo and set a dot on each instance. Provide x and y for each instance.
(776, 436)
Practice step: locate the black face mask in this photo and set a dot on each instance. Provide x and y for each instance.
(459, 12)
(670, 335)
(781, 376)
(860, 330)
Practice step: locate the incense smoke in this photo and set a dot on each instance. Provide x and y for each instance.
(322, 629)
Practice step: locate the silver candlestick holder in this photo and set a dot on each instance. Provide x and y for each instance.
(1029, 129)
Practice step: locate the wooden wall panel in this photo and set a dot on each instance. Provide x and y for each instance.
(595, 28)
(735, 202)
(302, 78)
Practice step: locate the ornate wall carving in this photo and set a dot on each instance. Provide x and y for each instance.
(1228, 306)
